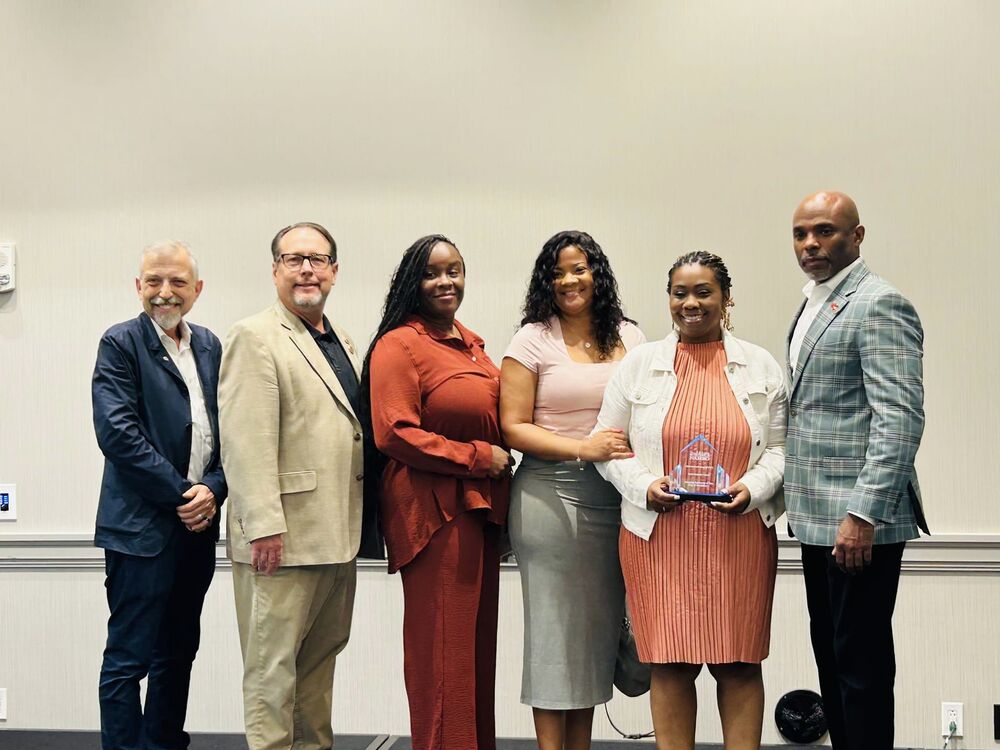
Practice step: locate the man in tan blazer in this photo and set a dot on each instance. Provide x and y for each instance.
(292, 449)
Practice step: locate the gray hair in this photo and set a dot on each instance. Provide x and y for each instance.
(167, 247)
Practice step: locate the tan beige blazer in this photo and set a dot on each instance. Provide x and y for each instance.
(291, 444)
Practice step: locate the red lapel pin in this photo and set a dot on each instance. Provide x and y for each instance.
(834, 306)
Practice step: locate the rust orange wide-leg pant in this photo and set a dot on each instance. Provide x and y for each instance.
(450, 593)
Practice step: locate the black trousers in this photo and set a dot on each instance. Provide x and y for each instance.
(153, 630)
(850, 621)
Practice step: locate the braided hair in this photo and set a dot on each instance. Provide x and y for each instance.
(402, 301)
(715, 264)
(606, 308)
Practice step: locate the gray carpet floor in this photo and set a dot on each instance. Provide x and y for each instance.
(23, 740)
(13, 739)
(403, 743)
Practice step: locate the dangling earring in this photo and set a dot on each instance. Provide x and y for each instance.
(727, 322)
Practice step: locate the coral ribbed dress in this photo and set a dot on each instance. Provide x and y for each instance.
(700, 590)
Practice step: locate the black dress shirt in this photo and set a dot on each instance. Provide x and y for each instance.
(333, 350)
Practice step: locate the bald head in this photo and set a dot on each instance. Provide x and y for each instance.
(827, 234)
(837, 202)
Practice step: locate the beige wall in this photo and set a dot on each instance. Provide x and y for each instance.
(660, 127)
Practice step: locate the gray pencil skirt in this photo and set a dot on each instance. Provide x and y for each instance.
(564, 526)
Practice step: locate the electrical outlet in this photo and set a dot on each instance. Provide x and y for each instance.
(3, 704)
(951, 712)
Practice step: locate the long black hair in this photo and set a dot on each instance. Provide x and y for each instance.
(402, 301)
(403, 298)
(606, 307)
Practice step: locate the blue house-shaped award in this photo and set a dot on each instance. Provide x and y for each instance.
(698, 472)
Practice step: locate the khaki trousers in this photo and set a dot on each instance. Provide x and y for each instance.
(292, 626)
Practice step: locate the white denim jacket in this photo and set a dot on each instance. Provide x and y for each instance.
(637, 399)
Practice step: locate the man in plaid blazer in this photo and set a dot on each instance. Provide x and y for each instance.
(854, 425)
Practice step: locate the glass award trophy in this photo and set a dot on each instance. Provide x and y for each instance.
(697, 474)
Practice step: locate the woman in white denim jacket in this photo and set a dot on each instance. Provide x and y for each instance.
(699, 576)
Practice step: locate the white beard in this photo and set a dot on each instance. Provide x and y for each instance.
(166, 318)
(308, 299)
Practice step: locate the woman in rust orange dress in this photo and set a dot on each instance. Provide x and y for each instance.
(432, 394)
(699, 574)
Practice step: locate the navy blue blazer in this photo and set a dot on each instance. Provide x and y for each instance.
(142, 417)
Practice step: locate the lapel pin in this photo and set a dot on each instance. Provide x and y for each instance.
(834, 306)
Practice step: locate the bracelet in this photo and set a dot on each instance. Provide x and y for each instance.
(580, 463)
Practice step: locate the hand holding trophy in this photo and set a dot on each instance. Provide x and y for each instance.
(740, 499)
(660, 496)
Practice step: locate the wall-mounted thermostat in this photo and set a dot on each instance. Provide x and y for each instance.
(8, 502)
(6, 266)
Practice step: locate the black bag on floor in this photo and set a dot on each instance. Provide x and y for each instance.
(631, 675)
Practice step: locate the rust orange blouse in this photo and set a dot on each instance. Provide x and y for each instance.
(435, 414)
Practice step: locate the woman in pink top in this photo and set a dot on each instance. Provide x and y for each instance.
(564, 518)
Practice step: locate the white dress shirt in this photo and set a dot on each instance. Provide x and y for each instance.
(202, 438)
(817, 295)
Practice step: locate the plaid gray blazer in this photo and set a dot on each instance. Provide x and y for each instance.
(855, 414)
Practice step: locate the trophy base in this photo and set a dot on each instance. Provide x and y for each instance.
(702, 497)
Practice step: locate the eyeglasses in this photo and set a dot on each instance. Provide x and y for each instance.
(293, 261)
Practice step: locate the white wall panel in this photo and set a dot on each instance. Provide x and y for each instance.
(53, 626)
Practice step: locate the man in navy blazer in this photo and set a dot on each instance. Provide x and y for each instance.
(156, 419)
